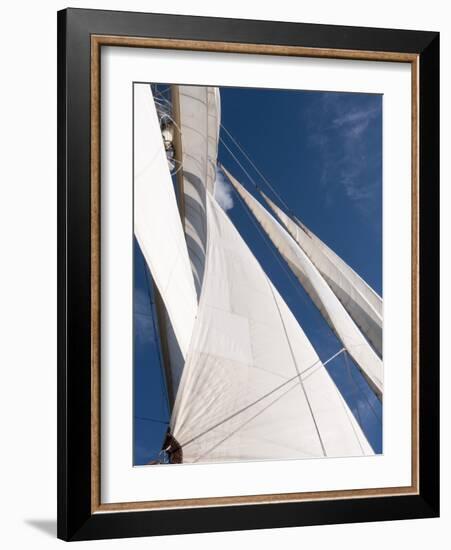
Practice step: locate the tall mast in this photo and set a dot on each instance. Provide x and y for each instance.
(196, 113)
(178, 148)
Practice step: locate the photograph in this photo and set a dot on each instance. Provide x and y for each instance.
(248, 273)
(257, 274)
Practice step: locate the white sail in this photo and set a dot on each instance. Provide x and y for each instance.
(359, 299)
(319, 291)
(360, 284)
(159, 231)
(199, 121)
(253, 387)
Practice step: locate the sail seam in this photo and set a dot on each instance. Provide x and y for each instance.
(301, 383)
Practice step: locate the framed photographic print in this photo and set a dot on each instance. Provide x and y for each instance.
(248, 274)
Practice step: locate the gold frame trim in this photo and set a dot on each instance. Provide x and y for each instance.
(97, 41)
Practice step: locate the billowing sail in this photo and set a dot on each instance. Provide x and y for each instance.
(319, 291)
(159, 231)
(197, 113)
(253, 387)
(358, 298)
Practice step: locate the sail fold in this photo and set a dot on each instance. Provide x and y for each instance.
(198, 113)
(358, 298)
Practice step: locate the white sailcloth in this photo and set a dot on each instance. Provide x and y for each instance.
(159, 231)
(319, 291)
(199, 112)
(253, 387)
(359, 299)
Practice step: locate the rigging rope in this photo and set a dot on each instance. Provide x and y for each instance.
(157, 335)
(360, 389)
(240, 147)
(166, 422)
(239, 164)
(279, 387)
(350, 378)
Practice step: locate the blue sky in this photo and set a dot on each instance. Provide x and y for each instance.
(322, 153)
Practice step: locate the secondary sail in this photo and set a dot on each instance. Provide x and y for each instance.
(253, 386)
(159, 231)
(319, 291)
(197, 115)
(359, 299)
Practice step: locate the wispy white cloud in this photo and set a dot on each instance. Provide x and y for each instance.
(223, 191)
(356, 116)
(355, 122)
(340, 134)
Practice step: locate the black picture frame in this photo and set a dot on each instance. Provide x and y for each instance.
(76, 519)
